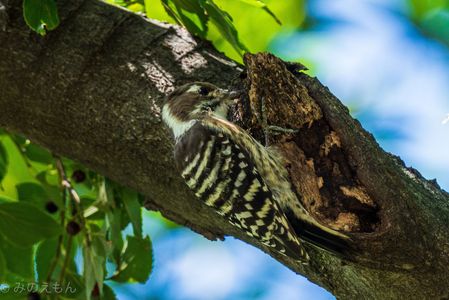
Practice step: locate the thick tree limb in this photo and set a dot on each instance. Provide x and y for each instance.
(92, 91)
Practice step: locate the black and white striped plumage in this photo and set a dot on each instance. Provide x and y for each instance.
(230, 171)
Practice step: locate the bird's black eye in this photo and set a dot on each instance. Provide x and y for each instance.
(204, 91)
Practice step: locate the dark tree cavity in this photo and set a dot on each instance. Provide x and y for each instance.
(92, 90)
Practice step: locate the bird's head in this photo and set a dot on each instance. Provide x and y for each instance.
(191, 102)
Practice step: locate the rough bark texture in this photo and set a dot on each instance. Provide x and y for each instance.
(92, 91)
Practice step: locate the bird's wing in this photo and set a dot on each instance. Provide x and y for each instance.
(222, 175)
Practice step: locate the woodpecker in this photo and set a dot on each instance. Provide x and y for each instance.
(242, 180)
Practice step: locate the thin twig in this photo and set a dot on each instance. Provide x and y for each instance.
(66, 259)
(61, 236)
(55, 259)
(65, 182)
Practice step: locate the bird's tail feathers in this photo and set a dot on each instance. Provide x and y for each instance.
(327, 239)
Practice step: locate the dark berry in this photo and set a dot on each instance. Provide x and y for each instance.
(34, 296)
(73, 228)
(51, 207)
(78, 176)
(96, 290)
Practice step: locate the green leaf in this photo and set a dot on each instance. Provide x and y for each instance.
(154, 9)
(436, 24)
(188, 13)
(114, 222)
(5, 199)
(271, 13)
(94, 260)
(421, 7)
(18, 260)
(45, 254)
(24, 224)
(38, 154)
(137, 261)
(189, 5)
(49, 179)
(106, 194)
(223, 21)
(3, 162)
(2, 267)
(131, 201)
(114, 216)
(73, 285)
(125, 220)
(17, 171)
(108, 293)
(17, 291)
(33, 193)
(194, 23)
(263, 6)
(44, 258)
(41, 15)
(256, 3)
(170, 12)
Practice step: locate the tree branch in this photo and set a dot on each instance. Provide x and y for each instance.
(92, 91)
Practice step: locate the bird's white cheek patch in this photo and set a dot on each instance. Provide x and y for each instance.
(193, 89)
(178, 127)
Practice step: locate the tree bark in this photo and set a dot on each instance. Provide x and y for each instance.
(92, 91)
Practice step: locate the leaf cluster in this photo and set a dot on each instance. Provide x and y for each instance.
(62, 228)
(203, 18)
(432, 17)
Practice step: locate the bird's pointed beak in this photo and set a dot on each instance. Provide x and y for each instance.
(231, 97)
